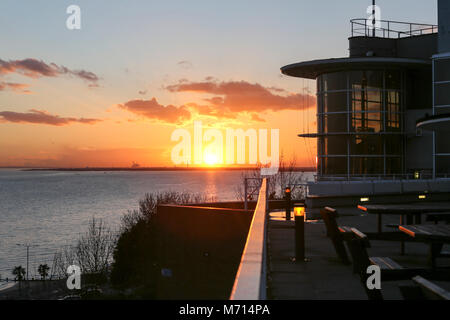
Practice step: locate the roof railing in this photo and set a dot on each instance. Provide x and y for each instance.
(390, 29)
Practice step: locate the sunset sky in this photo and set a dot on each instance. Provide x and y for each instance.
(114, 91)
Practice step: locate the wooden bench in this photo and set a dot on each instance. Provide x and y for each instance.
(390, 269)
(337, 234)
(424, 290)
(438, 216)
(340, 234)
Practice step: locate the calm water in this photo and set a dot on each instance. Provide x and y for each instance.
(50, 209)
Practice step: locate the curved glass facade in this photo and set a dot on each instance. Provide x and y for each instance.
(360, 123)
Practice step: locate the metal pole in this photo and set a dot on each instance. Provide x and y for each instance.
(28, 254)
(287, 194)
(374, 19)
(299, 237)
(245, 193)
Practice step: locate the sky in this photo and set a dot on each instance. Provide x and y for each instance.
(113, 92)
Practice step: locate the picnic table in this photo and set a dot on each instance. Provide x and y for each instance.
(410, 210)
(435, 235)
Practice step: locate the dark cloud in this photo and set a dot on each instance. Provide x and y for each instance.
(34, 68)
(41, 117)
(151, 109)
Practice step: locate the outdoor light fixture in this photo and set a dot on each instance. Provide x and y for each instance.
(416, 175)
(299, 212)
(422, 196)
(287, 197)
(299, 233)
(364, 199)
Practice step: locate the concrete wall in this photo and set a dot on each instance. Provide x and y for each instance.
(419, 148)
(417, 47)
(444, 25)
(202, 248)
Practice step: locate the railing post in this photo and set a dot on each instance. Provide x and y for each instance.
(245, 194)
(287, 196)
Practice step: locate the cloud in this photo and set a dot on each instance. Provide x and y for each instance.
(151, 109)
(185, 64)
(34, 68)
(223, 100)
(242, 96)
(42, 117)
(17, 87)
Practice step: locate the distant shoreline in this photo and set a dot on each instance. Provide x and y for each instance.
(297, 169)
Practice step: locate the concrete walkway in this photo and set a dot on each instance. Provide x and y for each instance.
(323, 276)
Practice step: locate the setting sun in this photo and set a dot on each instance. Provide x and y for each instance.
(210, 159)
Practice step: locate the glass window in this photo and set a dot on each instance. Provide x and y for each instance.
(393, 80)
(442, 70)
(393, 165)
(394, 145)
(442, 143)
(366, 165)
(334, 81)
(366, 145)
(335, 145)
(335, 102)
(335, 123)
(442, 165)
(442, 94)
(366, 80)
(334, 165)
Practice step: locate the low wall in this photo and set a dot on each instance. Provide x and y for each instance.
(199, 250)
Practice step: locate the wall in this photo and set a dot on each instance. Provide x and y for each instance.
(202, 248)
(444, 25)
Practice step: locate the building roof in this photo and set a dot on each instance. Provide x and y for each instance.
(312, 69)
(439, 123)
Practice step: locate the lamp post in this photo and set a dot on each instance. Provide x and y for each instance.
(299, 213)
(27, 245)
(287, 196)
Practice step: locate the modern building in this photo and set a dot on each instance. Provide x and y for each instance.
(377, 109)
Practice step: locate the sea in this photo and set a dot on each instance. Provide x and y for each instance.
(45, 211)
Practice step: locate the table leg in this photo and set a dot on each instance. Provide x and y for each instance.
(402, 243)
(435, 250)
(409, 219)
(379, 223)
(418, 219)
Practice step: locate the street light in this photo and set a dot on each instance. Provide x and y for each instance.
(287, 194)
(27, 245)
(299, 233)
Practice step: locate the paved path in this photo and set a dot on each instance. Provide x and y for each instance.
(323, 276)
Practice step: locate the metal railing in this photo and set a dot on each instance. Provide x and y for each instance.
(250, 281)
(371, 177)
(390, 29)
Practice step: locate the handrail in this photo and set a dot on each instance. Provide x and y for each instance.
(390, 29)
(250, 281)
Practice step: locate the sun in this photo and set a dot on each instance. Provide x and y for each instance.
(210, 159)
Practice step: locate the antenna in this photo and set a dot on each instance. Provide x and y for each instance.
(373, 19)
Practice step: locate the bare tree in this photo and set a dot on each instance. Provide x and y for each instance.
(92, 253)
(95, 248)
